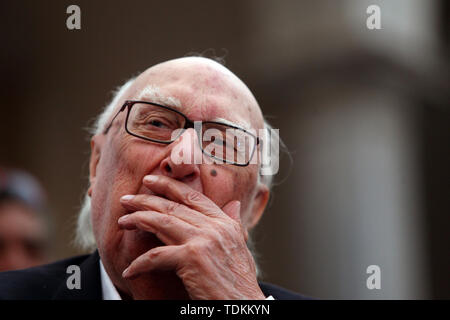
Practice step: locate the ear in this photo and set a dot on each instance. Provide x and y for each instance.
(93, 162)
(259, 204)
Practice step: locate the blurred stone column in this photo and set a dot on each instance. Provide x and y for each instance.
(354, 197)
(356, 194)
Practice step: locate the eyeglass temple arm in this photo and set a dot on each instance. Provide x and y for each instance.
(110, 124)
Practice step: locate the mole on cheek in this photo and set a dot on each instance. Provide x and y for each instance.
(213, 172)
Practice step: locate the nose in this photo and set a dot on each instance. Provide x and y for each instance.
(183, 160)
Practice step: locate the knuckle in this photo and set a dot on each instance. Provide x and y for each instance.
(197, 252)
(146, 201)
(191, 249)
(231, 233)
(193, 196)
(198, 246)
(141, 220)
(145, 225)
(142, 200)
(165, 220)
(240, 229)
(173, 207)
(210, 244)
(153, 254)
(234, 226)
(229, 229)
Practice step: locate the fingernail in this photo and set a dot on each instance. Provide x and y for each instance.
(151, 179)
(122, 219)
(127, 197)
(125, 272)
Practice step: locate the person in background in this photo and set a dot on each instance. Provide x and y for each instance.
(23, 226)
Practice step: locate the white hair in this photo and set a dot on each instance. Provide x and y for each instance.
(84, 237)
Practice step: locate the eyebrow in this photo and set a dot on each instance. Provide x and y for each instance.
(243, 125)
(153, 93)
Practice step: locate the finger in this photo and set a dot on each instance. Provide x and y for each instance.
(168, 229)
(180, 192)
(144, 202)
(160, 258)
(233, 210)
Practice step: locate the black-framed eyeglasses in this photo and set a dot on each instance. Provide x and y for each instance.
(158, 123)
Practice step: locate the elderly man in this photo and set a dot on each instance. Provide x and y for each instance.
(168, 214)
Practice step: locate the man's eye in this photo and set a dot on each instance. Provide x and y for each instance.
(157, 123)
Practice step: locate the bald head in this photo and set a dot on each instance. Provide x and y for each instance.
(204, 88)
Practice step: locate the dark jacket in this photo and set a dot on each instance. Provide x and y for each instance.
(49, 282)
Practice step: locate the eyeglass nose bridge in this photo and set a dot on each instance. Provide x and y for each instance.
(198, 130)
(194, 125)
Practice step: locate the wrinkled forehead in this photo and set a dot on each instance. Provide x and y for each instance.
(202, 91)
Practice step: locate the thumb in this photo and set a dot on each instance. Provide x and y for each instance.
(233, 210)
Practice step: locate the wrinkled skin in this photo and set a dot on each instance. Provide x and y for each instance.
(183, 234)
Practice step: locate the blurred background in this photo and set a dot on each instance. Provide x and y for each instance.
(364, 113)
